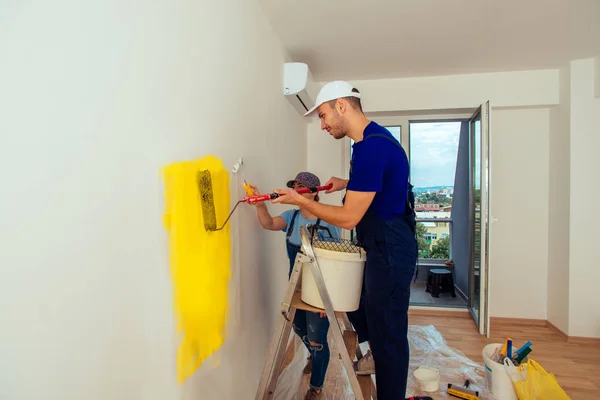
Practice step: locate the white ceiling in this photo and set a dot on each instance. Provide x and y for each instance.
(366, 39)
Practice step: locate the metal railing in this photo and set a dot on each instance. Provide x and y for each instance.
(426, 261)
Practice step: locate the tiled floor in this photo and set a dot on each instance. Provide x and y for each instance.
(419, 297)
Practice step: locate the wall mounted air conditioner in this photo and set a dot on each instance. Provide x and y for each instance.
(299, 86)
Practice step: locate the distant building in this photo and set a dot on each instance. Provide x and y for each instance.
(427, 207)
(435, 230)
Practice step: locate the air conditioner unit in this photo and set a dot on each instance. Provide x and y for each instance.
(299, 86)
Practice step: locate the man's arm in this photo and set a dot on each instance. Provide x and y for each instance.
(337, 184)
(346, 216)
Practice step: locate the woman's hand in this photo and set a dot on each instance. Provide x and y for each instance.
(255, 192)
(338, 184)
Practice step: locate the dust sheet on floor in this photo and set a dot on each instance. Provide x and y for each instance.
(427, 348)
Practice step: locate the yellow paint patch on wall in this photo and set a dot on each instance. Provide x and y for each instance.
(199, 259)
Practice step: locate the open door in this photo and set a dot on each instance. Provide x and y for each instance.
(479, 198)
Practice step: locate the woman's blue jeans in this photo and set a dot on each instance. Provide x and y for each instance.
(310, 327)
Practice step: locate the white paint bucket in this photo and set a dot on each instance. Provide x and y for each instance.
(496, 379)
(343, 276)
(428, 378)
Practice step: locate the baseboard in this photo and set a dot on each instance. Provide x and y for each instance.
(443, 312)
(438, 312)
(584, 340)
(543, 322)
(557, 330)
(519, 321)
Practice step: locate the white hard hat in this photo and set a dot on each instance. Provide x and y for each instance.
(332, 91)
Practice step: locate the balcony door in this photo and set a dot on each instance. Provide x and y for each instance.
(479, 135)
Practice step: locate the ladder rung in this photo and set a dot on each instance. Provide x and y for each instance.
(351, 343)
(366, 385)
(298, 304)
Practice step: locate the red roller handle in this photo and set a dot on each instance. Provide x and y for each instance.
(270, 196)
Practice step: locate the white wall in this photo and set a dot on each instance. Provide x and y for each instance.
(519, 202)
(519, 140)
(326, 157)
(584, 274)
(96, 97)
(558, 212)
(502, 89)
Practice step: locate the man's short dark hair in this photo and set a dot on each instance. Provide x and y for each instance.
(354, 101)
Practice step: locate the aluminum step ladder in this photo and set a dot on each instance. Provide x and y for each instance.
(363, 386)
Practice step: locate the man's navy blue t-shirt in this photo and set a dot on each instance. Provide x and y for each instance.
(380, 166)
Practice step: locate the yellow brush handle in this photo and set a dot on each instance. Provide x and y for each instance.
(248, 188)
(462, 395)
(505, 347)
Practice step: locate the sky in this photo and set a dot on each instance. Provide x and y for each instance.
(433, 153)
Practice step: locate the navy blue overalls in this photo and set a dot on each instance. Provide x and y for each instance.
(382, 318)
(294, 249)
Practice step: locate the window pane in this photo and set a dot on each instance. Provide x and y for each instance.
(396, 132)
(433, 155)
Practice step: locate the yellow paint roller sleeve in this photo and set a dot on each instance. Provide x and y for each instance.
(199, 260)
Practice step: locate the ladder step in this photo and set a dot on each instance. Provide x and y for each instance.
(366, 385)
(365, 381)
(351, 343)
(298, 304)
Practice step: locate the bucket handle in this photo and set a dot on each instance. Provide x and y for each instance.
(512, 371)
(314, 228)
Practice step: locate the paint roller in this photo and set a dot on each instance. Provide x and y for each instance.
(208, 204)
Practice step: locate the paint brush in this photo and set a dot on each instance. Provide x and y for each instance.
(524, 347)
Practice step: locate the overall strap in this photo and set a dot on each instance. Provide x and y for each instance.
(388, 137)
(391, 139)
(410, 195)
(291, 227)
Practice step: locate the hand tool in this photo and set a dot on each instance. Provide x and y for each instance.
(208, 204)
(520, 356)
(524, 347)
(463, 392)
(270, 196)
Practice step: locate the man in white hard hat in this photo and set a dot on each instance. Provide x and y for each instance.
(379, 203)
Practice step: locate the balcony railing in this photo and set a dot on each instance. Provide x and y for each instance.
(431, 250)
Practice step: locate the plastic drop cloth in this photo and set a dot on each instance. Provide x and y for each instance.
(427, 347)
